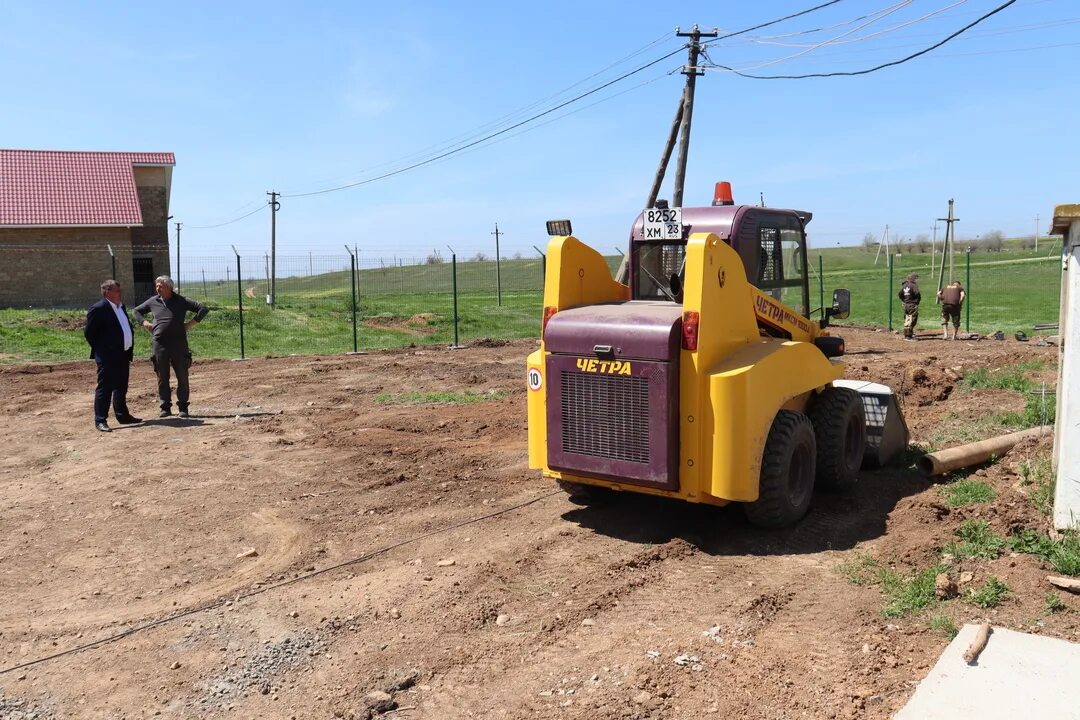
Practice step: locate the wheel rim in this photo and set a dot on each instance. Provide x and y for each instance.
(800, 475)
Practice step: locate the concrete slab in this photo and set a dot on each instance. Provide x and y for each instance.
(1016, 676)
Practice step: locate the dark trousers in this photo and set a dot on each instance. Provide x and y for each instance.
(112, 384)
(177, 358)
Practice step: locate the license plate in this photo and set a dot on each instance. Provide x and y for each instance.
(663, 224)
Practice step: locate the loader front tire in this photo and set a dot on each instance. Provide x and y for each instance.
(786, 482)
(840, 428)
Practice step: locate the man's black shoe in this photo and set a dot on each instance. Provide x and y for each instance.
(128, 419)
(102, 427)
(165, 413)
(184, 414)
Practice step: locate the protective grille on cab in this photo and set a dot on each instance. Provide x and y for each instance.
(605, 416)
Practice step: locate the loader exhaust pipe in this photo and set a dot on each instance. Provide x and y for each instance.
(975, 453)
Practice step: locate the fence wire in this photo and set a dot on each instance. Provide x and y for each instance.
(307, 305)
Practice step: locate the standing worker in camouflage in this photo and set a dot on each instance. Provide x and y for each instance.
(951, 298)
(169, 310)
(910, 296)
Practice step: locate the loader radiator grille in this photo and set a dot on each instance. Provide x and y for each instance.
(605, 416)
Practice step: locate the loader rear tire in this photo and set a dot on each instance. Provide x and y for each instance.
(786, 482)
(840, 428)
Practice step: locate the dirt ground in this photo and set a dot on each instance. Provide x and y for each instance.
(407, 550)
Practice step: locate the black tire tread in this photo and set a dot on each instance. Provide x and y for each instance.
(829, 416)
(773, 509)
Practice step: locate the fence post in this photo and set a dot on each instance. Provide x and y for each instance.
(543, 268)
(890, 290)
(112, 257)
(967, 304)
(240, 300)
(821, 284)
(352, 291)
(453, 285)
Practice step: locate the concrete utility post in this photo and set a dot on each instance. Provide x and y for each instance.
(947, 246)
(1066, 438)
(178, 226)
(274, 207)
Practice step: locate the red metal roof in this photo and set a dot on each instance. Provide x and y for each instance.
(59, 187)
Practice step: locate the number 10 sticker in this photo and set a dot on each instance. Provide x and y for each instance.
(536, 380)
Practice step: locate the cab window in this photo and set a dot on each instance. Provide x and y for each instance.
(782, 262)
(655, 265)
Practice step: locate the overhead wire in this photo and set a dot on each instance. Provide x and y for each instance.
(878, 33)
(227, 222)
(866, 71)
(895, 8)
(453, 150)
(495, 134)
(460, 139)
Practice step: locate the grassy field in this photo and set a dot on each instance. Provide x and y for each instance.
(401, 305)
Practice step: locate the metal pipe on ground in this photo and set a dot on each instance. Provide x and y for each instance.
(977, 452)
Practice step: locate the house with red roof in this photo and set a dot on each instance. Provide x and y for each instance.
(71, 219)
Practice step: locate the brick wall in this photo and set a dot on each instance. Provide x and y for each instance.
(64, 267)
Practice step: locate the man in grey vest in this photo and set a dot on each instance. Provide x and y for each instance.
(952, 298)
(170, 348)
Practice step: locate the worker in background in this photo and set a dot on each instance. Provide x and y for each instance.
(951, 298)
(910, 296)
(170, 348)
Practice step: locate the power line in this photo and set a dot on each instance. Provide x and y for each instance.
(838, 39)
(457, 140)
(227, 222)
(461, 147)
(456, 150)
(867, 71)
(771, 22)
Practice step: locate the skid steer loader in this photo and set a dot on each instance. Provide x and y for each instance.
(703, 378)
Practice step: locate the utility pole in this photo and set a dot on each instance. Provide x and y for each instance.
(498, 272)
(178, 226)
(691, 72)
(683, 116)
(947, 246)
(883, 242)
(1036, 233)
(274, 207)
(762, 198)
(933, 248)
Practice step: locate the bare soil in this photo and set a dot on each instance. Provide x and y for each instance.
(409, 550)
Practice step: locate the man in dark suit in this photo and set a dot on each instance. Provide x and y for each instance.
(112, 339)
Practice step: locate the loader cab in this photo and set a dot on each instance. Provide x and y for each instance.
(770, 241)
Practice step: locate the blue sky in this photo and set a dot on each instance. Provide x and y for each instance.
(297, 98)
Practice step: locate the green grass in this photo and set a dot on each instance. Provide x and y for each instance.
(967, 492)
(1021, 378)
(1038, 477)
(313, 314)
(1012, 377)
(903, 596)
(1054, 603)
(438, 398)
(1003, 294)
(990, 594)
(975, 540)
(908, 595)
(1063, 554)
(943, 625)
